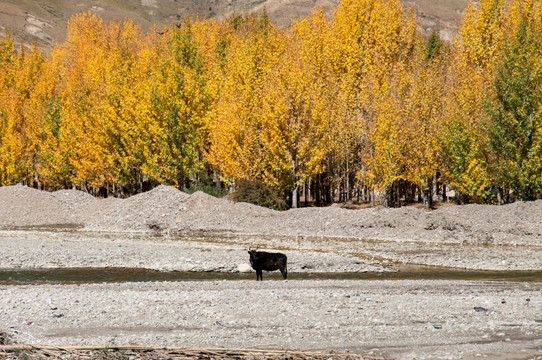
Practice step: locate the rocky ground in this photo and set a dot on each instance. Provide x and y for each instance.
(404, 319)
(166, 229)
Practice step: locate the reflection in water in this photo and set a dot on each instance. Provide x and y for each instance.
(103, 275)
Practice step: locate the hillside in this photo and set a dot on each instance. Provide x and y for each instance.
(45, 21)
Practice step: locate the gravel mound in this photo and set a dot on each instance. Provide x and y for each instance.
(168, 210)
(21, 206)
(73, 199)
(155, 210)
(207, 213)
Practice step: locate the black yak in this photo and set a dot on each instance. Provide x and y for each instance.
(261, 260)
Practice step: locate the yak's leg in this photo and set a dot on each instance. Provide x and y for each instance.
(259, 275)
(284, 269)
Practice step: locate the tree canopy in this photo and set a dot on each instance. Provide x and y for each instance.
(355, 102)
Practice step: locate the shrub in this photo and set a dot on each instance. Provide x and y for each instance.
(206, 184)
(258, 193)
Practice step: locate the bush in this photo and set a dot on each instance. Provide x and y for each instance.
(212, 190)
(257, 193)
(206, 184)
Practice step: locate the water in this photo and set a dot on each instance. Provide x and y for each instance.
(117, 275)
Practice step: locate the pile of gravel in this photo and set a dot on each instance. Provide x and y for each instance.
(168, 210)
(155, 210)
(73, 200)
(23, 206)
(207, 213)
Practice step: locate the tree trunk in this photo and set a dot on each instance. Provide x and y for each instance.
(318, 189)
(398, 194)
(329, 198)
(428, 194)
(347, 181)
(307, 192)
(294, 197)
(499, 196)
(388, 193)
(294, 191)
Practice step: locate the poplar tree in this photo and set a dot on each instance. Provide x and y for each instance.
(514, 124)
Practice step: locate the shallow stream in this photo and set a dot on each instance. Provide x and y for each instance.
(109, 275)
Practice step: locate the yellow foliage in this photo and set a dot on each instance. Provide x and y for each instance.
(236, 147)
(348, 98)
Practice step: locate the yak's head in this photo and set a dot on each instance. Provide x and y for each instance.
(253, 256)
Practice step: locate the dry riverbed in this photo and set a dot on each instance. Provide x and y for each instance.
(168, 230)
(400, 319)
(404, 319)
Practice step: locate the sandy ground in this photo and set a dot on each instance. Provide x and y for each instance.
(166, 229)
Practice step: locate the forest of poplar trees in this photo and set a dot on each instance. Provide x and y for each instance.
(351, 105)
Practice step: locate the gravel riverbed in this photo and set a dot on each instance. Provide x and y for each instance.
(168, 230)
(404, 319)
